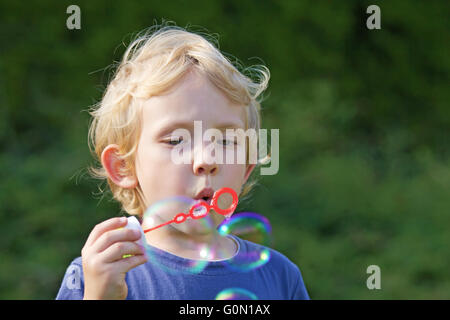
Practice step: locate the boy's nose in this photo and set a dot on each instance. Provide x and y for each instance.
(200, 166)
(206, 169)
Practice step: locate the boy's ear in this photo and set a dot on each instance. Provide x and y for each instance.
(248, 171)
(113, 164)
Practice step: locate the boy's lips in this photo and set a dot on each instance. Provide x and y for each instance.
(205, 194)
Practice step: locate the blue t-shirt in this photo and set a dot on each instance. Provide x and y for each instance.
(255, 272)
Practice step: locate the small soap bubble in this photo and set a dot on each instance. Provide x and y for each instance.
(236, 294)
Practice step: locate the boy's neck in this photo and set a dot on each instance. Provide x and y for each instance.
(187, 246)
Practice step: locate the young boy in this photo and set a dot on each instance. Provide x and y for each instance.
(168, 80)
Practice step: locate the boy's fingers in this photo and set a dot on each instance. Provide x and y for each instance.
(99, 229)
(109, 238)
(119, 249)
(127, 264)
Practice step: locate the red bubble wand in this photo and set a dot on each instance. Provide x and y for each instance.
(181, 217)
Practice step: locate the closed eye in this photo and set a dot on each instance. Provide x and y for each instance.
(227, 142)
(174, 141)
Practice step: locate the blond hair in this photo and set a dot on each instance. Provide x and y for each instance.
(151, 65)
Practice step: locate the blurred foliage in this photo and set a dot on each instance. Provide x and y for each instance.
(364, 135)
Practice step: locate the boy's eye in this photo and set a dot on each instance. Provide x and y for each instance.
(227, 142)
(174, 141)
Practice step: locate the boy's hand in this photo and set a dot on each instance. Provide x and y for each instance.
(104, 267)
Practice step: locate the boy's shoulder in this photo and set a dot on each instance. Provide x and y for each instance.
(77, 261)
(72, 286)
(284, 275)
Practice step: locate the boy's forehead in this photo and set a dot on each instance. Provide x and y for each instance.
(192, 99)
(169, 120)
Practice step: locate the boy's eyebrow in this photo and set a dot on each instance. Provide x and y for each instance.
(172, 126)
(229, 125)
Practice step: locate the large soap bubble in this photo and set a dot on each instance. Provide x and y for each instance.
(253, 227)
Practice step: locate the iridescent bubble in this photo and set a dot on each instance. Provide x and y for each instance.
(236, 294)
(255, 228)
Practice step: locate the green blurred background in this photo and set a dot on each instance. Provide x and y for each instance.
(364, 135)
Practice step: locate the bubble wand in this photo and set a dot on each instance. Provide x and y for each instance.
(181, 217)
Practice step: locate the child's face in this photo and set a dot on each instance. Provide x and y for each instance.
(193, 98)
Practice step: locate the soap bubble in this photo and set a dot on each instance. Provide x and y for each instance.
(236, 294)
(255, 228)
